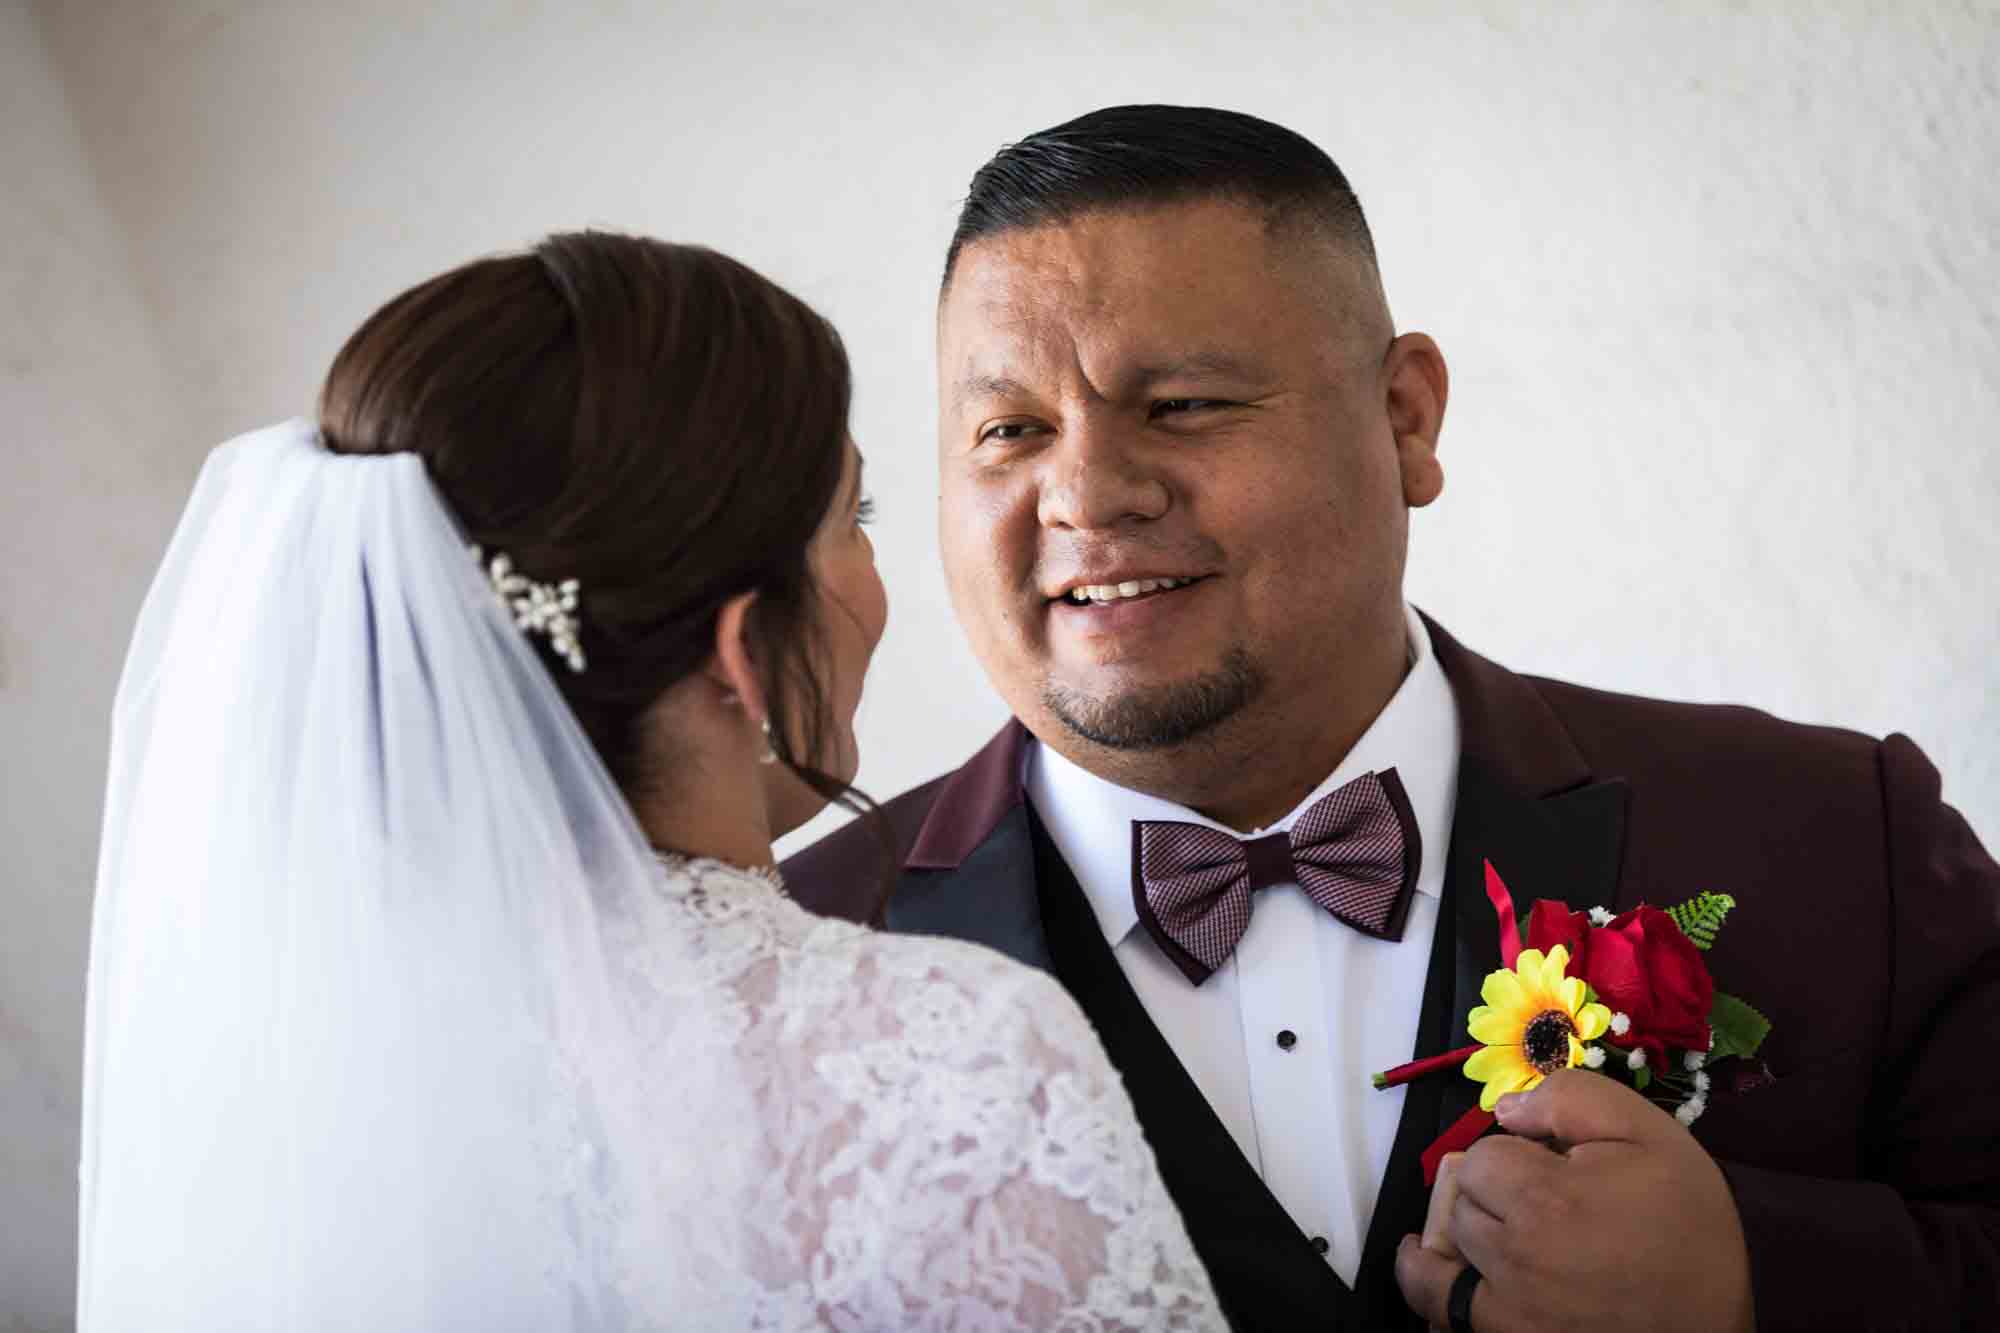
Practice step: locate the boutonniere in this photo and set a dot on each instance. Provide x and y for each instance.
(1629, 995)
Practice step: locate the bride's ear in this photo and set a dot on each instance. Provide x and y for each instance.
(733, 668)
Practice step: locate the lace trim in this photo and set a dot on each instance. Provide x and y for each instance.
(702, 869)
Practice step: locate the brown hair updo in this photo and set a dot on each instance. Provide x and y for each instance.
(655, 421)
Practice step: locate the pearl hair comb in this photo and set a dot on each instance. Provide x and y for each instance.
(538, 608)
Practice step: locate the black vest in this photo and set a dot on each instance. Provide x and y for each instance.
(1267, 1273)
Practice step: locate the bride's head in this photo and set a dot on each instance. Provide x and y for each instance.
(669, 429)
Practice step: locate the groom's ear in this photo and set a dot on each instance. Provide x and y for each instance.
(733, 667)
(1415, 386)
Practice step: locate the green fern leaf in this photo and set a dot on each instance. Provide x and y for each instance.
(1701, 916)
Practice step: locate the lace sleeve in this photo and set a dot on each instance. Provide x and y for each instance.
(995, 1175)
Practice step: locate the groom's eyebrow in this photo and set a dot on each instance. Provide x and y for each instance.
(975, 385)
(1201, 364)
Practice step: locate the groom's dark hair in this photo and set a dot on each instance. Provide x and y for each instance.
(1133, 156)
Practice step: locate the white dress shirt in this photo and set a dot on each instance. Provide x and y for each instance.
(1303, 1112)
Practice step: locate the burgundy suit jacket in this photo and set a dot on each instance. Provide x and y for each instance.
(1867, 929)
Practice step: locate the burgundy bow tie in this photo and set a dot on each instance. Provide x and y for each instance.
(1355, 852)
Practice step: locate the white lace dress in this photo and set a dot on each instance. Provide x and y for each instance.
(920, 1134)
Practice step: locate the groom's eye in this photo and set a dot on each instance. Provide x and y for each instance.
(1003, 432)
(1175, 406)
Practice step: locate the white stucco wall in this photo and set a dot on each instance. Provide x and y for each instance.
(87, 496)
(1718, 290)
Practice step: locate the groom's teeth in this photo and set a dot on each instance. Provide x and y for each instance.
(1111, 592)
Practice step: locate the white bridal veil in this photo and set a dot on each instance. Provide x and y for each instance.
(353, 1059)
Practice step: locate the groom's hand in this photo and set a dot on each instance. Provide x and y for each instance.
(1596, 1210)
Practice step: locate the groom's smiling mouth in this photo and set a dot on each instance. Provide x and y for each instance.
(1106, 601)
(1124, 590)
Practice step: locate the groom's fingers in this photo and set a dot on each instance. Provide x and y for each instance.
(1575, 1106)
(1501, 1173)
(1444, 1195)
(1426, 1280)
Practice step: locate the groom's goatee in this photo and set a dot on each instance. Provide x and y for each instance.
(1162, 717)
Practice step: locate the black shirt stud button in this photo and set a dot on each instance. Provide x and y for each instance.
(1320, 1244)
(1287, 1039)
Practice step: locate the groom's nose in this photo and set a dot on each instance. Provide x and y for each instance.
(1097, 476)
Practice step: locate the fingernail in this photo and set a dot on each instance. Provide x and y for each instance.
(1507, 1105)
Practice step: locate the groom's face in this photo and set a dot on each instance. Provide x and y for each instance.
(1171, 493)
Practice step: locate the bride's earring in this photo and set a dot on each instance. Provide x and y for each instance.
(770, 755)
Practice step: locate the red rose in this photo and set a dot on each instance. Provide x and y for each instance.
(1552, 923)
(1641, 965)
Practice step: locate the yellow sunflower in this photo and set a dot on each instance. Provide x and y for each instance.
(1534, 1022)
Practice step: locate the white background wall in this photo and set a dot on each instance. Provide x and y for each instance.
(91, 474)
(1719, 290)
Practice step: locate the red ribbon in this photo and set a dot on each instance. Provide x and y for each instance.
(1459, 1137)
(1503, 907)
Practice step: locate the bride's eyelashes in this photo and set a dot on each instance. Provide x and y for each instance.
(864, 512)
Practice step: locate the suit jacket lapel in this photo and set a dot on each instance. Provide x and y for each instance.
(989, 898)
(1529, 803)
(971, 872)
(1526, 801)
(1565, 845)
